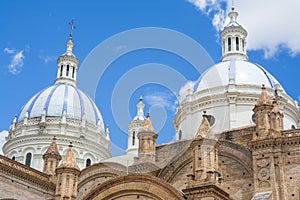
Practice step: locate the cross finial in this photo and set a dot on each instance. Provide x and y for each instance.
(232, 5)
(72, 27)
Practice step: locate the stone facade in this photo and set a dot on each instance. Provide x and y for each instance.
(207, 167)
(252, 162)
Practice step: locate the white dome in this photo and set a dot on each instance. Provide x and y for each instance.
(139, 117)
(59, 98)
(238, 72)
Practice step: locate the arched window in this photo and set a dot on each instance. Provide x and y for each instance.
(180, 135)
(68, 69)
(133, 138)
(293, 127)
(237, 43)
(61, 70)
(87, 162)
(13, 158)
(73, 72)
(229, 44)
(243, 45)
(28, 159)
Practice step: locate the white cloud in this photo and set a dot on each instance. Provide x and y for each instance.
(16, 63)
(163, 99)
(8, 50)
(47, 59)
(3, 134)
(272, 25)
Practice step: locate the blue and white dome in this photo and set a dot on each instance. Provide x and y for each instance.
(62, 111)
(59, 98)
(228, 90)
(237, 72)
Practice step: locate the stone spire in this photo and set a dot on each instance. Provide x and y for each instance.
(204, 126)
(233, 39)
(67, 64)
(69, 159)
(276, 119)
(264, 98)
(148, 124)
(53, 148)
(51, 158)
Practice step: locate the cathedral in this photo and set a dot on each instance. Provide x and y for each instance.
(237, 138)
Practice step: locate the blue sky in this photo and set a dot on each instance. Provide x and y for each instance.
(34, 34)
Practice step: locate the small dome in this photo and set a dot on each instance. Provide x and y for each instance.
(139, 117)
(238, 72)
(59, 98)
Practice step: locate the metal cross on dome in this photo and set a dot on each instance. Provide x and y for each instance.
(72, 27)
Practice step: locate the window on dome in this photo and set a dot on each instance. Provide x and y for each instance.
(180, 135)
(237, 44)
(243, 45)
(61, 70)
(87, 162)
(68, 69)
(28, 159)
(293, 127)
(229, 44)
(13, 158)
(133, 138)
(211, 120)
(73, 72)
(253, 118)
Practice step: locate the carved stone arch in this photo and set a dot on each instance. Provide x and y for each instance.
(238, 153)
(171, 170)
(134, 186)
(96, 174)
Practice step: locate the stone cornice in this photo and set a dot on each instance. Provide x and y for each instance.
(206, 191)
(24, 173)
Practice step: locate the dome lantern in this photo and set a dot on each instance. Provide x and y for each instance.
(233, 39)
(67, 64)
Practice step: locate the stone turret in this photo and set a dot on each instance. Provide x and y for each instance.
(204, 177)
(67, 177)
(205, 155)
(147, 142)
(51, 158)
(262, 110)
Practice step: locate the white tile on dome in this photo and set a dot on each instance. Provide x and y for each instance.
(25, 108)
(74, 108)
(40, 102)
(89, 110)
(56, 102)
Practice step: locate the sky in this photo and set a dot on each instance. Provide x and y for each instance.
(137, 48)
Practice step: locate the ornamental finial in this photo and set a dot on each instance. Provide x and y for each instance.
(72, 27)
